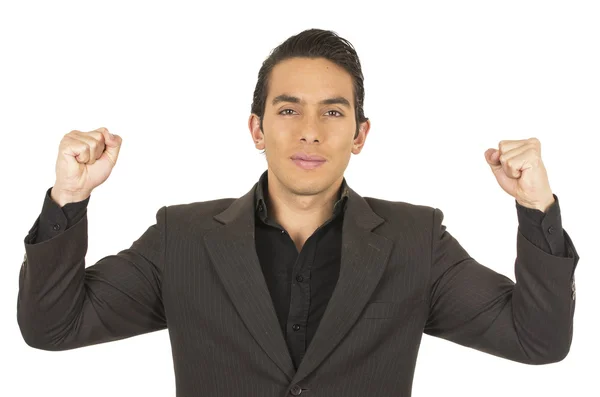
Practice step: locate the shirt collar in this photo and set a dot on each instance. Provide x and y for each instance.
(260, 204)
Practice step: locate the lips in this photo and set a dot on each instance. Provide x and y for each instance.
(308, 161)
(307, 157)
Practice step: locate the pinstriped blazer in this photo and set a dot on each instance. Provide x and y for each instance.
(195, 272)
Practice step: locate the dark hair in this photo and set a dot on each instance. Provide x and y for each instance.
(313, 43)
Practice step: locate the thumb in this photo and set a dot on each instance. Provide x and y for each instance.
(492, 156)
(112, 146)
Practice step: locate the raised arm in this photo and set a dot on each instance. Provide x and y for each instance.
(64, 305)
(61, 303)
(530, 321)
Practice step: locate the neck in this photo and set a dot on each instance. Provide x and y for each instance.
(300, 214)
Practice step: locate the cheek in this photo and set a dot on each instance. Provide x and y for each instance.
(343, 131)
(276, 130)
(275, 121)
(342, 136)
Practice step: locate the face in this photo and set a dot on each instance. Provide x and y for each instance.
(309, 111)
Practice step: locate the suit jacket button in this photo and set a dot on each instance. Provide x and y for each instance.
(295, 390)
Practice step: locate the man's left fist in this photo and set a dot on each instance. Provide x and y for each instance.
(519, 170)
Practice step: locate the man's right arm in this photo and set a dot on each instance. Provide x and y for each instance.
(64, 305)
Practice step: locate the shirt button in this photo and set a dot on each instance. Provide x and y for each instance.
(56, 227)
(295, 327)
(296, 390)
(551, 229)
(283, 232)
(299, 278)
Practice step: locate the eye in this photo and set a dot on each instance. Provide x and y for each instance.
(286, 112)
(337, 114)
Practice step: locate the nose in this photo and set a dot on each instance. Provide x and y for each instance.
(310, 130)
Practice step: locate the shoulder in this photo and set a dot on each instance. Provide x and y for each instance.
(405, 215)
(199, 214)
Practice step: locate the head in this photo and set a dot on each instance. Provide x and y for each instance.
(309, 100)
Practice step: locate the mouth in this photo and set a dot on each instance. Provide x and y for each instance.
(308, 162)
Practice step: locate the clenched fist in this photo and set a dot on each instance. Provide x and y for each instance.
(85, 160)
(520, 171)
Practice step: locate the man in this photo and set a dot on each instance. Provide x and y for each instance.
(301, 286)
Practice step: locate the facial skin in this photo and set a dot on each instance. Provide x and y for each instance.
(296, 120)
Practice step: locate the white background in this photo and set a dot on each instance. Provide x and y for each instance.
(444, 81)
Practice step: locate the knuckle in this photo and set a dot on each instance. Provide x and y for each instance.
(533, 152)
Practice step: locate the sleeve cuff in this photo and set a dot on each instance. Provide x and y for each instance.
(54, 219)
(543, 229)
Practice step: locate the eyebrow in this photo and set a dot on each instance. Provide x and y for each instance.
(339, 100)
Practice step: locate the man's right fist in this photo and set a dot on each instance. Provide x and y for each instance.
(85, 160)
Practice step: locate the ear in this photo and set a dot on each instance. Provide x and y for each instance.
(255, 132)
(359, 141)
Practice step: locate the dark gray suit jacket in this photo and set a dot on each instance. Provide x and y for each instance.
(196, 273)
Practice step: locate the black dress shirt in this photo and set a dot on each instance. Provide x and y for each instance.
(301, 284)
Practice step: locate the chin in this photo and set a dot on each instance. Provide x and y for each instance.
(308, 185)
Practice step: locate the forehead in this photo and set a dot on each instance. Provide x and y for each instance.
(310, 78)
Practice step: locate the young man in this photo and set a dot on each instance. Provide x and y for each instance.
(301, 286)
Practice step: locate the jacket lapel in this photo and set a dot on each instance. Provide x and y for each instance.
(364, 258)
(233, 252)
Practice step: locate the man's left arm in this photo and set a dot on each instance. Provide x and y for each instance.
(530, 321)
(543, 229)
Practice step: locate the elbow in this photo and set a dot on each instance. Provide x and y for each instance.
(559, 355)
(36, 343)
(33, 336)
(547, 347)
(552, 356)
(39, 341)
(32, 339)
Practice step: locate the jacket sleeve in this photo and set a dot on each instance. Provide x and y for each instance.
(54, 219)
(63, 305)
(528, 321)
(543, 229)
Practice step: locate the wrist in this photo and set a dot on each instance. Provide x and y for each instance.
(540, 206)
(63, 197)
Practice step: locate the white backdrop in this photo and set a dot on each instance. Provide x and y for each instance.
(444, 81)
